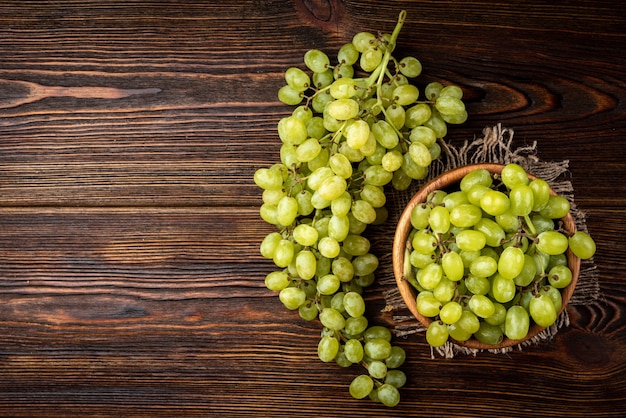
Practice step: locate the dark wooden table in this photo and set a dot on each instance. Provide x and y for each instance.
(130, 278)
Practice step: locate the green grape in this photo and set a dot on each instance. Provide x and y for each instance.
(269, 243)
(542, 223)
(432, 90)
(452, 265)
(395, 116)
(308, 150)
(321, 80)
(332, 187)
(429, 276)
(343, 269)
(420, 216)
(494, 234)
(353, 350)
(361, 386)
(328, 284)
(556, 207)
(560, 276)
(363, 40)
(437, 334)
(449, 105)
(513, 174)
(388, 395)
(268, 179)
(502, 289)
(377, 175)
(343, 109)
(552, 242)
(357, 134)
(499, 315)
(315, 127)
(332, 319)
(290, 96)
(392, 161)
(377, 369)
(328, 348)
(365, 264)
(481, 305)
(454, 199)
(420, 154)
(341, 205)
(410, 67)
(292, 130)
(396, 358)
(469, 322)
(277, 280)
(385, 134)
(354, 304)
(348, 54)
(495, 202)
(522, 200)
(395, 378)
(528, 272)
(421, 134)
(338, 227)
(439, 220)
(363, 211)
(465, 215)
(405, 95)
(316, 60)
(284, 252)
(308, 311)
(428, 305)
(306, 264)
(511, 262)
(471, 240)
(452, 91)
(483, 266)
(292, 297)
(341, 71)
(377, 348)
(297, 79)
(328, 247)
(542, 310)
(489, 334)
(356, 245)
(424, 242)
(516, 323)
(555, 296)
(476, 177)
(451, 312)
(374, 195)
(541, 193)
(457, 333)
(477, 285)
(370, 59)
(582, 245)
(508, 221)
(356, 326)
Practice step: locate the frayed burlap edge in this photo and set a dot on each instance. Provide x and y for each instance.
(495, 146)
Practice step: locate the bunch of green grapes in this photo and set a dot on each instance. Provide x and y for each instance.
(489, 258)
(358, 126)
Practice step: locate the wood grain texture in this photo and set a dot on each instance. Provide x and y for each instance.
(130, 279)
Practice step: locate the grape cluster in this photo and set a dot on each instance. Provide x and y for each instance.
(358, 126)
(488, 259)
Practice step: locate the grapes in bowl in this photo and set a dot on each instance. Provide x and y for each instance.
(487, 256)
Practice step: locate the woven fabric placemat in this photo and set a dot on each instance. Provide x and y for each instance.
(495, 146)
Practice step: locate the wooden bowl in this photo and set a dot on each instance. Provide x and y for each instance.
(403, 229)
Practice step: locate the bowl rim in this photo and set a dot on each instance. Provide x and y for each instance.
(400, 242)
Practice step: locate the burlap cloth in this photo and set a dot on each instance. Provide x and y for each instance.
(496, 146)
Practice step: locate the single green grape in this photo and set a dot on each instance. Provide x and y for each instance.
(316, 60)
(327, 348)
(437, 333)
(361, 386)
(582, 245)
